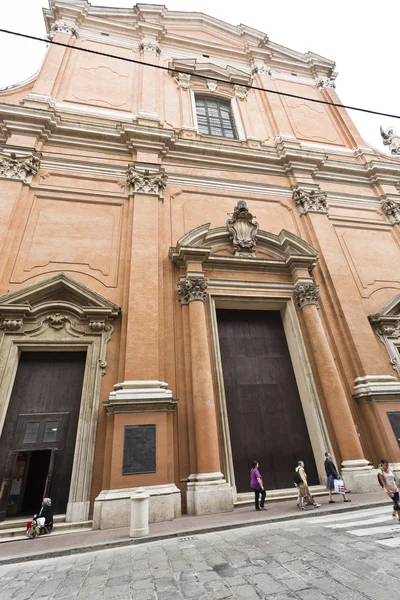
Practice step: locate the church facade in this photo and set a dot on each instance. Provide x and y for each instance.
(199, 269)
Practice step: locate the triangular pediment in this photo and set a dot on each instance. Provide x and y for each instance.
(390, 310)
(59, 291)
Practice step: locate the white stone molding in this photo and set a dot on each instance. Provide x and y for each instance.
(310, 201)
(211, 71)
(243, 228)
(182, 81)
(306, 294)
(386, 324)
(54, 315)
(192, 288)
(63, 27)
(147, 45)
(146, 181)
(392, 139)
(21, 168)
(391, 208)
(241, 92)
(208, 494)
(325, 82)
(140, 396)
(370, 389)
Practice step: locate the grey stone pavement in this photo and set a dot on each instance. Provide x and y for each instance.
(300, 559)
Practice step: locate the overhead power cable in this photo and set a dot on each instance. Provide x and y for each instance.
(198, 75)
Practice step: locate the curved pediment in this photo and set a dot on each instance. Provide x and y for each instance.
(216, 244)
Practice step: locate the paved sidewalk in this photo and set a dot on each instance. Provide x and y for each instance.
(86, 541)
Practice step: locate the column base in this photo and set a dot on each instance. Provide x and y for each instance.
(112, 508)
(77, 512)
(359, 476)
(208, 494)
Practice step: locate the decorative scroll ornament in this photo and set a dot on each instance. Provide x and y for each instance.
(149, 46)
(314, 201)
(306, 294)
(243, 228)
(62, 27)
(391, 208)
(391, 139)
(102, 366)
(325, 82)
(98, 326)
(241, 92)
(261, 69)
(12, 325)
(182, 80)
(56, 321)
(192, 289)
(146, 181)
(22, 168)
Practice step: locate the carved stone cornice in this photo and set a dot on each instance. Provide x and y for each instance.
(146, 181)
(182, 81)
(149, 46)
(63, 27)
(391, 208)
(391, 139)
(313, 201)
(243, 229)
(192, 288)
(306, 294)
(325, 82)
(21, 168)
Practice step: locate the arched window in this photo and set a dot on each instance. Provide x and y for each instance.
(214, 117)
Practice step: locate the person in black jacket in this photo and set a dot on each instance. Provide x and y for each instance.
(332, 474)
(46, 513)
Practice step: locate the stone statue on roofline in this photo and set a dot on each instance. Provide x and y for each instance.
(391, 139)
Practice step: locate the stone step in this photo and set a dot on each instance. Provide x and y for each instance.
(21, 521)
(18, 532)
(276, 495)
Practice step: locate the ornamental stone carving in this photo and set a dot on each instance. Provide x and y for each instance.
(63, 27)
(325, 82)
(98, 326)
(261, 69)
(149, 46)
(212, 85)
(241, 92)
(313, 201)
(306, 294)
(21, 168)
(12, 325)
(192, 289)
(391, 208)
(182, 80)
(56, 321)
(146, 181)
(243, 228)
(392, 139)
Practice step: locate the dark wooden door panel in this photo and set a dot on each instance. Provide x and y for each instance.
(49, 385)
(266, 419)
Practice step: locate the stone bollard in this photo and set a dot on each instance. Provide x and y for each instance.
(139, 513)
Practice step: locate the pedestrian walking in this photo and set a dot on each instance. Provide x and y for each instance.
(256, 484)
(388, 482)
(331, 474)
(300, 481)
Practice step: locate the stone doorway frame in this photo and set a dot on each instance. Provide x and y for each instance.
(60, 314)
(312, 409)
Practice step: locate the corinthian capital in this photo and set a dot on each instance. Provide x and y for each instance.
(22, 168)
(146, 181)
(391, 208)
(314, 201)
(306, 294)
(63, 27)
(192, 289)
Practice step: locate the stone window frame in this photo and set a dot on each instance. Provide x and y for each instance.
(218, 95)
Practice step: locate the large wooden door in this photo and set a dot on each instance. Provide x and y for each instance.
(42, 418)
(265, 414)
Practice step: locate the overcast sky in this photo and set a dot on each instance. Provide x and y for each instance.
(361, 36)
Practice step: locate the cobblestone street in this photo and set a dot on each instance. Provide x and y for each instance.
(346, 557)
